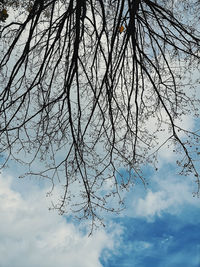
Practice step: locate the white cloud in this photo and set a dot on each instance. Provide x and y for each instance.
(152, 204)
(166, 147)
(166, 154)
(32, 236)
(168, 194)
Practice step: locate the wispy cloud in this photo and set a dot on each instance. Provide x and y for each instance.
(167, 192)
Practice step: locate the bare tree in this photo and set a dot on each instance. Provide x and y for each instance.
(81, 81)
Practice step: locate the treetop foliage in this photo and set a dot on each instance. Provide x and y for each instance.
(88, 86)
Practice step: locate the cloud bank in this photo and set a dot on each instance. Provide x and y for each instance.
(31, 235)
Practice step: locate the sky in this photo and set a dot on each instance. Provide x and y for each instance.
(159, 227)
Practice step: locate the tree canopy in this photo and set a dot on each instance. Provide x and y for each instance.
(87, 87)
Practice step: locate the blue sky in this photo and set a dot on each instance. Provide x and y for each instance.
(160, 226)
(165, 242)
(165, 232)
